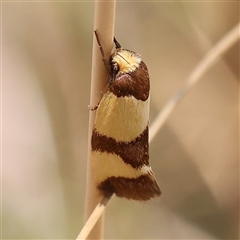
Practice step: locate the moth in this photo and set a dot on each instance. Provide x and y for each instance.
(120, 148)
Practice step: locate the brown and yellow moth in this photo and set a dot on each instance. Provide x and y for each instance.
(120, 149)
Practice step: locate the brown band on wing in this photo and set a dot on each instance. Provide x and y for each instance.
(142, 188)
(134, 153)
(135, 83)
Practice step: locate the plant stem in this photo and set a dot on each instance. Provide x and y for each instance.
(104, 24)
(205, 64)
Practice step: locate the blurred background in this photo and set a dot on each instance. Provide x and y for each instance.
(46, 72)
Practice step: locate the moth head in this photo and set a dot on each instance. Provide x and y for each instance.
(124, 61)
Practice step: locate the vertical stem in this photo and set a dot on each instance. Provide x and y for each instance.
(104, 24)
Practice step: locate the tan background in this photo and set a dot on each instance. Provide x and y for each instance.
(46, 68)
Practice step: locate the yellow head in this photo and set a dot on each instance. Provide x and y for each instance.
(126, 61)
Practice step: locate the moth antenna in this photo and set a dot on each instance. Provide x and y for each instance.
(123, 58)
(104, 58)
(99, 44)
(117, 44)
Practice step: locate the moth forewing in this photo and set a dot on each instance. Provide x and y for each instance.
(120, 151)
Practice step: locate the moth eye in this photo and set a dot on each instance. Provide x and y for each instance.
(115, 68)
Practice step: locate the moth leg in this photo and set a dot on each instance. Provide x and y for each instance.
(104, 58)
(92, 108)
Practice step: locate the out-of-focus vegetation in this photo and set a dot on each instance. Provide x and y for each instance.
(46, 70)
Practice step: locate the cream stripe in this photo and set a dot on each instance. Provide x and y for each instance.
(105, 165)
(122, 118)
